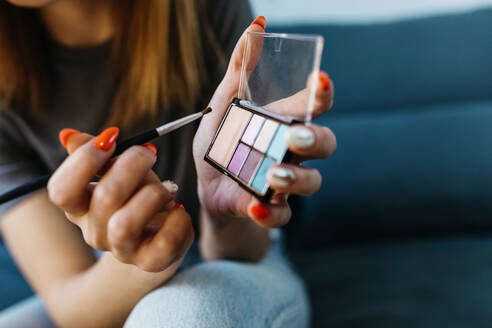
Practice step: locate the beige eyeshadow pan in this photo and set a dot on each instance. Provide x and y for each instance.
(266, 135)
(229, 135)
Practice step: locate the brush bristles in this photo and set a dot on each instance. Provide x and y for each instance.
(206, 110)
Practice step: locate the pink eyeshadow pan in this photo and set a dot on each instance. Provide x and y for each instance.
(238, 158)
(252, 129)
(250, 166)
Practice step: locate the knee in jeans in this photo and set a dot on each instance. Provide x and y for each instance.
(222, 294)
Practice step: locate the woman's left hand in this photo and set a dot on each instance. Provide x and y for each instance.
(222, 197)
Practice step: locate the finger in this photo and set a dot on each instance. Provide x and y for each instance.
(127, 224)
(172, 241)
(121, 181)
(276, 214)
(76, 141)
(67, 187)
(171, 186)
(297, 104)
(254, 48)
(228, 88)
(293, 179)
(72, 139)
(311, 142)
(325, 95)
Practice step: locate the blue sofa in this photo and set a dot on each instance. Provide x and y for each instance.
(399, 235)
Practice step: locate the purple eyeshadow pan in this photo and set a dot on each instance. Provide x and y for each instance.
(253, 129)
(238, 158)
(250, 165)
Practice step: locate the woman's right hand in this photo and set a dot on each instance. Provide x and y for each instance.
(128, 212)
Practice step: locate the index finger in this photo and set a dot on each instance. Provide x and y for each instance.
(68, 187)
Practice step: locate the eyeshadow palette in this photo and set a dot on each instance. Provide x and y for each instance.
(248, 142)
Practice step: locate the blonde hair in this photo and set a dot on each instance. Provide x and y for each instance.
(157, 58)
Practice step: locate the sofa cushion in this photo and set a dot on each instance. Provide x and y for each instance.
(412, 116)
(388, 66)
(412, 173)
(13, 286)
(432, 283)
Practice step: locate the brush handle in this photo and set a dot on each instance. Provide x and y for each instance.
(41, 182)
(25, 189)
(139, 139)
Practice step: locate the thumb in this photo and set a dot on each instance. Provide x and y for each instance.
(244, 50)
(253, 49)
(247, 50)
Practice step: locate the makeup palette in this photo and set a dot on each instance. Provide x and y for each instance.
(248, 142)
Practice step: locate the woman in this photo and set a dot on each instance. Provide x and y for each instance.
(89, 64)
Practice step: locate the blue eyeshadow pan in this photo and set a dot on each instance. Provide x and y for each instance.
(278, 147)
(260, 180)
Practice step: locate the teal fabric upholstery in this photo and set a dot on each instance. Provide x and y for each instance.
(416, 173)
(412, 113)
(382, 67)
(401, 233)
(430, 283)
(13, 287)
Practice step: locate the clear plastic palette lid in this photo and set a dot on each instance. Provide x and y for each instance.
(279, 66)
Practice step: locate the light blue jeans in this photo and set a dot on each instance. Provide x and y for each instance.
(208, 294)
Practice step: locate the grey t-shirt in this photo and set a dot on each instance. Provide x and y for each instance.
(81, 100)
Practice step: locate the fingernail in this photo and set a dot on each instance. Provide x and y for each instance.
(65, 134)
(260, 20)
(107, 138)
(260, 211)
(150, 147)
(281, 177)
(178, 205)
(325, 81)
(170, 186)
(300, 137)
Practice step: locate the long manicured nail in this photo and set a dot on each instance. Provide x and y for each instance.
(150, 147)
(260, 20)
(260, 211)
(107, 138)
(300, 137)
(65, 134)
(281, 177)
(170, 186)
(325, 81)
(178, 205)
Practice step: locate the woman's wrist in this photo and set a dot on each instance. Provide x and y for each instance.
(143, 280)
(232, 238)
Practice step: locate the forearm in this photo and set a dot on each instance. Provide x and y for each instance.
(103, 295)
(234, 239)
(77, 289)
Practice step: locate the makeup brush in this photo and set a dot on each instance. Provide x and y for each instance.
(139, 139)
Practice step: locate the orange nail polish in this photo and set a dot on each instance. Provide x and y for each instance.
(65, 134)
(151, 147)
(260, 211)
(260, 20)
(178, 205)
(325, 81)
(107, 138)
